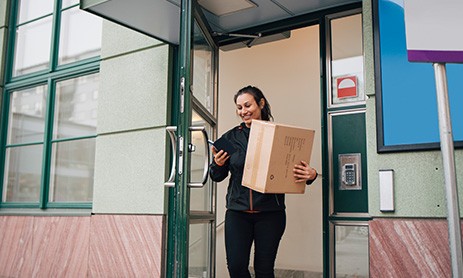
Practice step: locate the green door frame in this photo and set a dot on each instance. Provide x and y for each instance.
(179, 196)
(180, 217)
(350, 123)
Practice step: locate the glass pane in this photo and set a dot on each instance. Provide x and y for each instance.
(200, 198)
(72, 168)
(23, 167)
(26, 118)
(200, 251)
(80, 36)
(351, 251)
(203, 71)
(32, 49)
(347, 60)
(76, 107)
(67, 3)
(31, 9)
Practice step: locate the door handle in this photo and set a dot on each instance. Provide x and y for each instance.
(173, 140)
(206, 160)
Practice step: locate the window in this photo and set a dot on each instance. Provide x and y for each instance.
(347, 86)
(49, 110)
(351, 249)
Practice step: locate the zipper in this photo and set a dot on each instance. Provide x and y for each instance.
(250, 200)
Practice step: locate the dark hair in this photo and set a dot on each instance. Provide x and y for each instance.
(266, 112)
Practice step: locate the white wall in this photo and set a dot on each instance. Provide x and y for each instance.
(288, 72)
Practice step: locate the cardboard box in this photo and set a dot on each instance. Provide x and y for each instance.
(273, 150)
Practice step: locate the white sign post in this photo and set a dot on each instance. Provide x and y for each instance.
(434, 35)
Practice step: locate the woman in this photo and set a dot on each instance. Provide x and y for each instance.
(251, 216)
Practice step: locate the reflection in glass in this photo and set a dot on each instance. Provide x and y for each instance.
(32, 9)
(347, 60)
(23, 167)
(200, 198)
(72, 171)
(203, 75)
(351, 251)
(27, 115)
(80, 35)
(199, 253)
(67, 3)
(32, 49)
(76, 107)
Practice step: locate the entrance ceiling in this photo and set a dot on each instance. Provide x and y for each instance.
(161, 18)
(253, 13)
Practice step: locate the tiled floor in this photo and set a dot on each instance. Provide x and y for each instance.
(287, 273)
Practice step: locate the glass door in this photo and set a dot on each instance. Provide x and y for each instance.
(201, 261)
(191, 217)
(201, 247)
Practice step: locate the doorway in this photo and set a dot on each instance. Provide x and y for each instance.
(288, 72)
(299, 75)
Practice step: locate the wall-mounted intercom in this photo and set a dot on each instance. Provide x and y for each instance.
(349, 174)
(350, 171)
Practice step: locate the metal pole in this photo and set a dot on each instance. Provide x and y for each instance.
(446, 141)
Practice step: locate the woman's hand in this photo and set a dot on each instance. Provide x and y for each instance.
(220, 157)
(303, 172)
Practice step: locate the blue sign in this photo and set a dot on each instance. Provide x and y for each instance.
(406, 92)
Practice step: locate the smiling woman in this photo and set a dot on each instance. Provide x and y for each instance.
(252, 104)
(251, 217)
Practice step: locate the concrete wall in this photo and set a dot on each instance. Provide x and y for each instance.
(419, 177)
(288, 73)
(130, 157)
(129, 176)
(410, 241)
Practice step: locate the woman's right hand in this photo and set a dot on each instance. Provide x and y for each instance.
(220, 157)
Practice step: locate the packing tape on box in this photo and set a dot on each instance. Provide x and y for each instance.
(257, 155)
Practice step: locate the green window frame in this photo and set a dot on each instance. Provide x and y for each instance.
(49, 106)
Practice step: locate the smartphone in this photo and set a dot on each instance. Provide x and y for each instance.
(223, 144)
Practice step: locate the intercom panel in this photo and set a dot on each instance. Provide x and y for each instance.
(350, 171)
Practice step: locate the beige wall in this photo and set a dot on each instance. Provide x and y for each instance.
(287, 72)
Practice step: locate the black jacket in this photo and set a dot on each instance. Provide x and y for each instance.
(239, 197)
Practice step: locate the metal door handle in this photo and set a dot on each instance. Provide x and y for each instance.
(173, 140)
(206, 161)
(171, 131)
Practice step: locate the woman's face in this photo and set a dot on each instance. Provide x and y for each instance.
(248, 109)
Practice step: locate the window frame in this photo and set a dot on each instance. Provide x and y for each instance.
(49, 77)
(329, 51)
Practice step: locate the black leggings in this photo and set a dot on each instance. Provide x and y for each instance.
(265, 229)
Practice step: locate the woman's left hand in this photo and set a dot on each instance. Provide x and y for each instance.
(303, 172)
